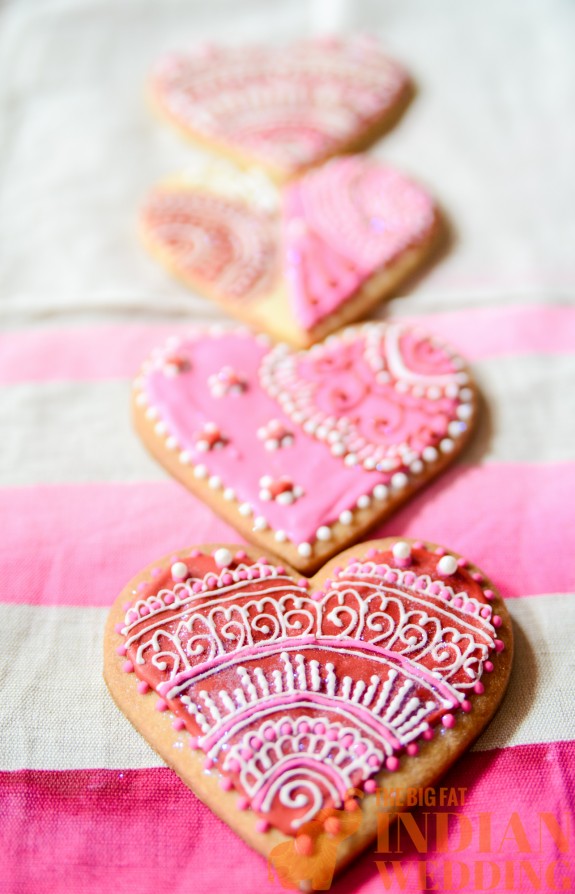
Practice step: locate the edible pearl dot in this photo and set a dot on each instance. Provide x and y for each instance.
(179, 571)
(447, 445)
(185, 458)
(304, 549)
(280, 536)
(245, 509)
(399, 480)
(222, 557)
(323, 533)
(447, 565)
(401, 550)
(380, 492)
(363, 501)
(200, 472)
(346, 517)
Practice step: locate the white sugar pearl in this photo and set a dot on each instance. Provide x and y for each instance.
(245, 509)
(430, 454)
(399, 481)
(363, 501)
(260, 524)
(465, 411)
(229, 494)
(200, 472)
(280, 536)
(455, 429)
(179, 571)
(323, 533)
(222, 557)
(447, 445)
(185, 458)
(304, 549)
(160, 428)
(214, 482)
(380, 492)
(346, 517)
(401, 550)
(447, 565)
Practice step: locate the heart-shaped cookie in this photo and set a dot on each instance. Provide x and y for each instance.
(284, 108)
(304, 452)
(282, 701)
(298, 263)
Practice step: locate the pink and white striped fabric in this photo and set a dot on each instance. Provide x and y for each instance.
(85, 805)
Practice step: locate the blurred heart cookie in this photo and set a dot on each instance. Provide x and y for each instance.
(301, 262)
(286, 703)
(283, 108)
(303, 452)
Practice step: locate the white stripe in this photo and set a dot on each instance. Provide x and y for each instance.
(71, 432)
(539, 705)
(56, 712)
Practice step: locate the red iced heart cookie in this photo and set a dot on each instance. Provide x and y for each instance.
(304, 452)
(277, 698)
(301, 263)
(285, 108)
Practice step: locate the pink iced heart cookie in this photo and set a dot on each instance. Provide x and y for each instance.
(285, 109)
(283, 702)
(298, 263)
(304, 451)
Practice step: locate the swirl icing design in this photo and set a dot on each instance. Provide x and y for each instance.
(287, 107)
(344, 222)
(295, 697)
(369, 411)
(224, 245)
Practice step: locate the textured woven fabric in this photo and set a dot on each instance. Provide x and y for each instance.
(85, 804)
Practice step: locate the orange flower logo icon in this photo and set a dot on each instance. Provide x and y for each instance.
(307, 862)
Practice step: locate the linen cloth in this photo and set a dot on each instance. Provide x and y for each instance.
(85, 804)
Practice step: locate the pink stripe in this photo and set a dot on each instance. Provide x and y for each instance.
(490, 332)
(75, 544)
(144, 831)
(109, 352)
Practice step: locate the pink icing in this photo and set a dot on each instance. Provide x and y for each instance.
(387, 427)
(289, 107)
(342, 223)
